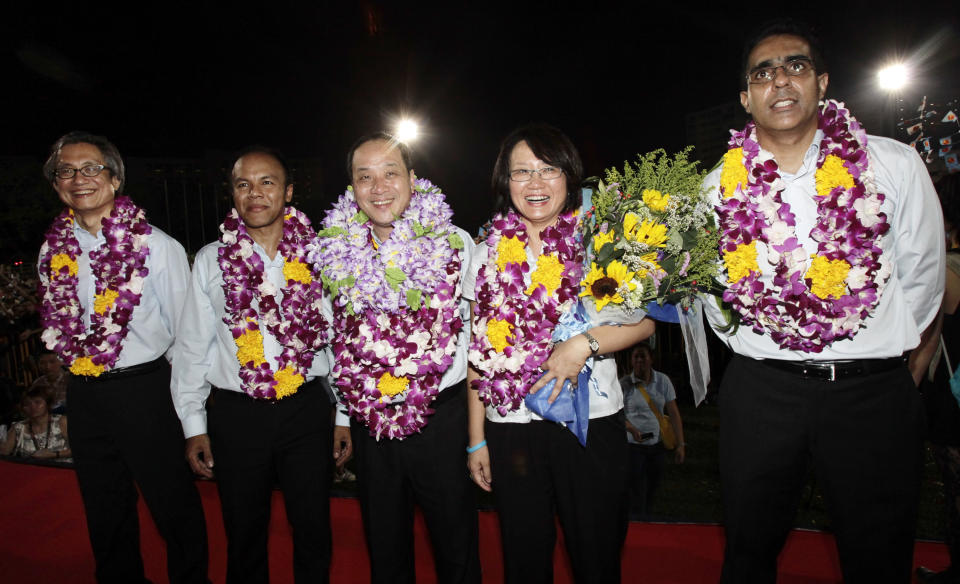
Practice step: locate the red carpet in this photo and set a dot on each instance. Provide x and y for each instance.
(44, 540)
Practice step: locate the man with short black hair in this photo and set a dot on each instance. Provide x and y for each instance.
(832, 247)
(393, 261)
(254, 329)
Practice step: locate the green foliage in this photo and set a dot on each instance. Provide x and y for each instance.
(657, 171)
(413, 299)
(394, 276)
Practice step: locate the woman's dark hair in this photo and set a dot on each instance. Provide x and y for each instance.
(111, 156)
(549, 145)
(782, 26)
(40, 392)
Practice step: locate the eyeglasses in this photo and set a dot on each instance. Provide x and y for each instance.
(545, 173)
(88, 171)
(793, 68)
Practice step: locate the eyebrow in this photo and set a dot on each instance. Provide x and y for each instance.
(274, 177)
(82, 164)
(787, 59)
(385, 164)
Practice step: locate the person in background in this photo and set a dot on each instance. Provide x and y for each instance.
(53, 380)
(42, 434)
(643, 389)
(943, 412)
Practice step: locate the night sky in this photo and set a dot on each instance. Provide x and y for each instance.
(177, 80)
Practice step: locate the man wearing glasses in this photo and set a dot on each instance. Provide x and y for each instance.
(832, 251)
(113, 287)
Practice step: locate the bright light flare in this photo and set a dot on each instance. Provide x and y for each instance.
(893, 77)
(407, 131)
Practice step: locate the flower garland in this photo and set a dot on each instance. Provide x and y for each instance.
(810, 304)
(297, 322)
(395, 308)
(118, 269)
(513, 323)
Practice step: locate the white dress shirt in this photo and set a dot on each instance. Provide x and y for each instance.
(153, 323)
(458, 369)
(914, 242)
(205, 353)
(606, 398)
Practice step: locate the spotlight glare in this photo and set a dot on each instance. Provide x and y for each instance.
(893, 77)
(407, 131)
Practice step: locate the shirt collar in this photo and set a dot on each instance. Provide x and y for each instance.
(809, 158)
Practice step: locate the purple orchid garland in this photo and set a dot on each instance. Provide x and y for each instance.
(117, 267)
(849, 228)
(297, 322)
(405, 326)
(506, 377)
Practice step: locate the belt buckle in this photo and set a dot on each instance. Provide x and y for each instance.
(833, 371)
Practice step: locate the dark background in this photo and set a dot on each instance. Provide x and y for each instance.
(179, 87)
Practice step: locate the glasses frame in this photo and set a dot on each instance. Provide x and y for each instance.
(772, 70)
(528, 173)
(72, 172)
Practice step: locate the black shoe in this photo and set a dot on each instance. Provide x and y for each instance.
(928, 576)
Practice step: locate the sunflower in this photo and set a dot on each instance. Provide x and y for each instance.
(605, 285)
(651, 233)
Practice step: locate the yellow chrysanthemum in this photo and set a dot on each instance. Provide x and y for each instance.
(828, 277)
(601, 239)
(297, 270)
(85, 366)
(250, 347)
(497, 333)
(288, 381)
(58, 261)
(103, 302)
(391, 386)
(510, 250)
(655, 200)
(649, 232)
(832, 175)
(604, 285)
(549, 272)
(734, 172)
(741, 261)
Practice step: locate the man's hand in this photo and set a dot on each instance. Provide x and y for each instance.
(200, 456)
(342, 445)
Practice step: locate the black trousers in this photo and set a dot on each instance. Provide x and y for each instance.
(428, 469)
(646, 468)
(539, 469)
(125, 431)
(863, 436)
(257, 443)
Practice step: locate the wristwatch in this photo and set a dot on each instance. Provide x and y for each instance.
(594, 344)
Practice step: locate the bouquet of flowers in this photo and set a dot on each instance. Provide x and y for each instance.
(650, 235)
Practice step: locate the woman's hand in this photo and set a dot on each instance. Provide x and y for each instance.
(565, 362)
(478, 463)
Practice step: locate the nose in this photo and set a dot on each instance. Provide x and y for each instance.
(780, 77)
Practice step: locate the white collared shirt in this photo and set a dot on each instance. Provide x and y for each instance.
(154, 322)
(205, 353)
(915, 244)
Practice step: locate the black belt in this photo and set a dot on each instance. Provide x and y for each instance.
(220, 393)
(122, 372)
(834, 370)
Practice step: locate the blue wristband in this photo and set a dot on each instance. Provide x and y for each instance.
(476, 447)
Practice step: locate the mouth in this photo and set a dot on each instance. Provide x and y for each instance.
(783, 103)
(381, 204)
(536, 199)
(83, 193)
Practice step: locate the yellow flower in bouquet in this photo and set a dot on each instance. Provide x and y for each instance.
(604, 285)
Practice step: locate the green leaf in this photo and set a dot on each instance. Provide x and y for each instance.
(418, 229)
(360, 217)
(456, 242)
(394, 277)
(331, 232)
(413, 299)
